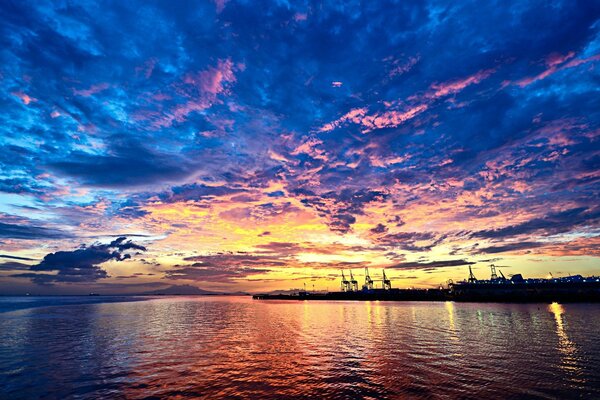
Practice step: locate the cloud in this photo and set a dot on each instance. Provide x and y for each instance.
(14, 266)
(127, 164)
(21, 186)
(339, 208)
(430, 264)
(25, 98)
(197, 191)
(30, 232)
(198, 92)
(550, 224)
(15, 257)
(380, 228)
(97, 88)
(217, 131)
(260, 212)
(281, 248)
(509, 247)
(455, 86)
(553, 63)
(81, 265)
(391, 118)
(411, 241)
(225, 267)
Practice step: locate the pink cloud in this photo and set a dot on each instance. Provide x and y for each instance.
(579, 61)
(310, 147)
(394, 118)
(528, 81)
(399, 69)
(556, 59)
(161, 97)
(26, 99)
(201, 91)
(300, 17)
(554, 65)
(382, 162)
(220, 5)
(92, 90)
(386, 119)
(391, 119)
(451, 87)
(213, 79)
(355, 115)
(147, 68)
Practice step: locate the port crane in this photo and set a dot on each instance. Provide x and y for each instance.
(353, 283)
(472, 278)
(345, 283)
(387, 284)
(368, 281)
(493, 270)
(495, 276)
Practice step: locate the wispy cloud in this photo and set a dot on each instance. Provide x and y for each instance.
(280, 141)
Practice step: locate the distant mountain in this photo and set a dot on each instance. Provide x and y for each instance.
(181, 290)
(189, 290)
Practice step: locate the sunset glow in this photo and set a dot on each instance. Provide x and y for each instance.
(241, 148)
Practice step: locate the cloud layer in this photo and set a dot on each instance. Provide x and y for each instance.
(420, 135)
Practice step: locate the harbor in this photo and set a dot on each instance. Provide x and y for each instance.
(497, 288)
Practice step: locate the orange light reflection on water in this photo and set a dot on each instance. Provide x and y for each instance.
(568, 349)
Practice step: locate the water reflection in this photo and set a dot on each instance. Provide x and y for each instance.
(568, 349)
(450, 308)
(216, 347)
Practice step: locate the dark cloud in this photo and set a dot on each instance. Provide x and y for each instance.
(21, 186)
(509, 247)
(340, 208)
(127, 164)
(229, 260)
(260, 212)
(225, 266)
(130, 209)
(551, 224)
(16, 258)
(430, 265)
(197, 192)
(280, 248)
(380, 228)
(30, 232)
(411, 241)
(81, 265)
(201, 272)
(14, 265)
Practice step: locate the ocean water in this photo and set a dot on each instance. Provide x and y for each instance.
(239, 348)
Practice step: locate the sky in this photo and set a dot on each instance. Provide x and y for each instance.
(254, 146)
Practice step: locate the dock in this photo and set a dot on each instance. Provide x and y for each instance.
(500, 289)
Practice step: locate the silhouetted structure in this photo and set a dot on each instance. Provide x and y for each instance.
(353, 283)
(574, 288)
(472, 278)
(493, 270)
(387, 284)
(345, 285)
(368, 281)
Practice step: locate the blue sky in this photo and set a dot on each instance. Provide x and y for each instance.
(253, 145)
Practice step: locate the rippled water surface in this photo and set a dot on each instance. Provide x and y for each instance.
(236, 347)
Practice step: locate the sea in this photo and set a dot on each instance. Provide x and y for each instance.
(213, 347)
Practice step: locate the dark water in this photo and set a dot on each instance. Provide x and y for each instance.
(234, 347)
